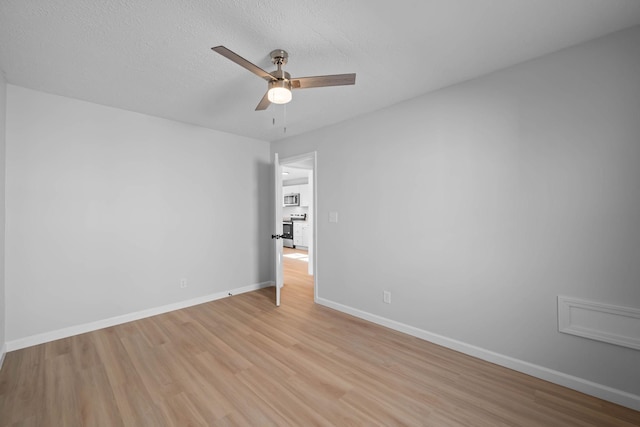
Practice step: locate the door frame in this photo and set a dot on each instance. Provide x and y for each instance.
(312, 158)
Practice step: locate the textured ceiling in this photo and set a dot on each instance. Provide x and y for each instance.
(154, 57)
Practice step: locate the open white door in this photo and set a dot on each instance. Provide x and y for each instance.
(278, 226)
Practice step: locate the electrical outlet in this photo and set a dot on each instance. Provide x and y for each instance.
(183, 283)
(386, 297)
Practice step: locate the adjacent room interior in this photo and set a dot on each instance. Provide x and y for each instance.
(462, 248)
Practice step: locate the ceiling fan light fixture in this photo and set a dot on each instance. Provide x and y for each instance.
(279, 92)
(279, 81)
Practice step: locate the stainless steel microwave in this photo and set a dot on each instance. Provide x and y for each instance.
(292, 199)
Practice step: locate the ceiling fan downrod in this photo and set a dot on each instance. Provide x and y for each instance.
(279, 58)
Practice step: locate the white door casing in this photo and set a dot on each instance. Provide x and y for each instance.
(306, 161)
(312, 219)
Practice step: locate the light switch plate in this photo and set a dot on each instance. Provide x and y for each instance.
(333, 216)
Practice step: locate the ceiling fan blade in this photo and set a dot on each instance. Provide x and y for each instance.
(243, 62)
(264, 102)
(323, 81)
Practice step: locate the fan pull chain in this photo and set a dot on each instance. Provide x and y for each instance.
(284, 121)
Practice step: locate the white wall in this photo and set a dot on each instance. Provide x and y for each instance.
(107, 210)
(478, 204)
(3, 103)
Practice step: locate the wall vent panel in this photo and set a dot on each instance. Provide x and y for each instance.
(602, 322)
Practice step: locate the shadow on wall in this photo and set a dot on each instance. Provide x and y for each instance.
(263, 194)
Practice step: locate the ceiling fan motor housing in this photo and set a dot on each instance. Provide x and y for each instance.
(281, 75)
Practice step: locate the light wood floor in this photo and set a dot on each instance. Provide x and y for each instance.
(242, 361)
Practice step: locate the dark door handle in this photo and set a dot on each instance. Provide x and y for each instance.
(277, 236)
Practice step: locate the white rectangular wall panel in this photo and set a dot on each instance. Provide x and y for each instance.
(603, 322)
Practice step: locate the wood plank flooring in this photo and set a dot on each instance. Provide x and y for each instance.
(242, 361)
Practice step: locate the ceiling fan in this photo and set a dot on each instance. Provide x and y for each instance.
(279, 81)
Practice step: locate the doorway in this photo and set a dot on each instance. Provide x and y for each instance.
(299, 254)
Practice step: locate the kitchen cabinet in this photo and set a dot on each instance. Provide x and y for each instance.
(305, 194)
(301, 232)
(297, 234)
(306, 230)
(289, 189)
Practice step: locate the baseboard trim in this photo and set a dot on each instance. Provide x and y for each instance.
(112, 321)
(3, 352)
(610, 394)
